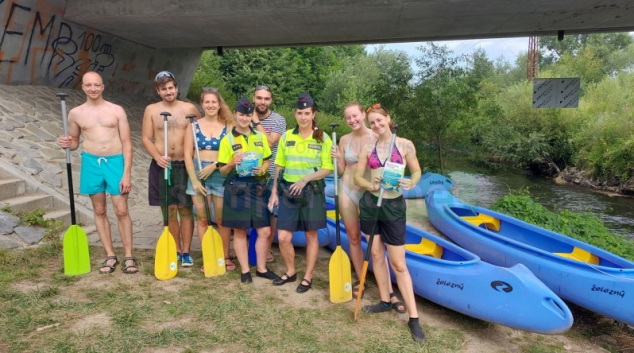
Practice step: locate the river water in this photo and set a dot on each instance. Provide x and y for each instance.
(484, 189)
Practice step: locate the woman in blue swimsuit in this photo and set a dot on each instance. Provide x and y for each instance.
(217, 121)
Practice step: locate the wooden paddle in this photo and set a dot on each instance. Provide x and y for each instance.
(165, 258)
(211, 243)
(366, 258)
(339, 267)
(75, 248)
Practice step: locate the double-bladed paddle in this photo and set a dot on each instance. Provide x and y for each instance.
(165, 258)
(366, 258)
(339, 267)
(75, 248)
(211, 243)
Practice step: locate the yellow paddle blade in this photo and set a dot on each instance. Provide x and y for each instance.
(165, 262)
(340, 277)
(76, 254)
(213, 253)
(364, 271)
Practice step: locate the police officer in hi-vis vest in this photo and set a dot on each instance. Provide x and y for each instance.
(244, 157)
(303, 160)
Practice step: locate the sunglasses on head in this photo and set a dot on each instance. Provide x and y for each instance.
(162, 74)
(210, 89)
(266, 88)
(375, 106)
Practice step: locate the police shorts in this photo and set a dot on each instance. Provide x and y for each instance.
(302, 216)
(390, 223)
(245, 206)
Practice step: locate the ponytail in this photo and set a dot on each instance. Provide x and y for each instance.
(318, 134)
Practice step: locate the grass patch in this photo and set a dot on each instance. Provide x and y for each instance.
(583, 226)
(123, 313)
(540, 346)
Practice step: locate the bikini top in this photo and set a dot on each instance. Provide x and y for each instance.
(375, 163)
(209, 143)
(349, 156)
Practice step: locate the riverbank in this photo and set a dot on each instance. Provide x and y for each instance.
(581, 178)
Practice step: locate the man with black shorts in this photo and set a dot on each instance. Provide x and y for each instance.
(180, 204)
(273, 125)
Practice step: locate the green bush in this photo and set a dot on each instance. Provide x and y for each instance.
(582, 226)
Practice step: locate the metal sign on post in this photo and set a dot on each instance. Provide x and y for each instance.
(556, 92)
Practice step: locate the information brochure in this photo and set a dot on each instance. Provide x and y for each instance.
(392, 172)
(249, 161)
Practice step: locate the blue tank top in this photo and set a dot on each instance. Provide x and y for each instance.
(209, 143)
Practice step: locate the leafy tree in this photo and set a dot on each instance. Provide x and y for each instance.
(443, 96)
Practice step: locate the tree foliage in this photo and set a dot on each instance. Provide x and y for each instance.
(451, 107)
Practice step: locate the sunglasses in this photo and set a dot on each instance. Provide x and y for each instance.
(162, 74)
(375, 106)
(266, 88)
(210, 89)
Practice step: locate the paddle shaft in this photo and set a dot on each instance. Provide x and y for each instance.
(366, 258)
(200, 166)
(337, 225)
(62, 97)
(165, 115)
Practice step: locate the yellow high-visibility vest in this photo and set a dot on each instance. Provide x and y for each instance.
(301, 157)
(234, 141)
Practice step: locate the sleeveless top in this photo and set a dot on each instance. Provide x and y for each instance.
(375, 163)
(209, 143)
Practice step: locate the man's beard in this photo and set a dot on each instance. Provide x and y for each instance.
(261, 112)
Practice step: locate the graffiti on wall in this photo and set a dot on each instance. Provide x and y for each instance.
(38, 47)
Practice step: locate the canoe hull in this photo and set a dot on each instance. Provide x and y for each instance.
(606, 288)
(508, 296)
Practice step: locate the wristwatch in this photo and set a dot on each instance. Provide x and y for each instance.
(256, 124)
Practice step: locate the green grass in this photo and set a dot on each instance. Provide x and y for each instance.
(583, 226)
(188, 313)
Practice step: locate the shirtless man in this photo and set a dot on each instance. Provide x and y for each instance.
(180, 204)
(106, 165)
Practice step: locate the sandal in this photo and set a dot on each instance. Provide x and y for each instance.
(127, 268)
(355, 290)
(230, 266)
(270, 258)
(110, 267)
(398, 306)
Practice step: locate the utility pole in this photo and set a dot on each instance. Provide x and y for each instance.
(533, 58)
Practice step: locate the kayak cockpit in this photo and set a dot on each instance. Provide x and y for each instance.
(539, 238)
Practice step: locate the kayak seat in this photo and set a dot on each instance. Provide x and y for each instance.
(489, 222)
(580, 255)
(426, 247)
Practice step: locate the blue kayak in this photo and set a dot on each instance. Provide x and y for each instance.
(427, 181)
(457, 279)
(576, 271)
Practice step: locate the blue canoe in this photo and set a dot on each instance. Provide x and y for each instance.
(576, 271)
(427, 181)
(457, 279)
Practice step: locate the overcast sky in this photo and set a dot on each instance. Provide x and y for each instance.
(509, 48)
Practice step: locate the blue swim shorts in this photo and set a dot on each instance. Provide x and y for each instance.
(100, 173)
(214, 182)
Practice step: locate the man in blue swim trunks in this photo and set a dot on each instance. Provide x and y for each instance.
(106, 165)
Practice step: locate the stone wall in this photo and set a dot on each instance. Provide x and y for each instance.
(30, 124)
(38, 47)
